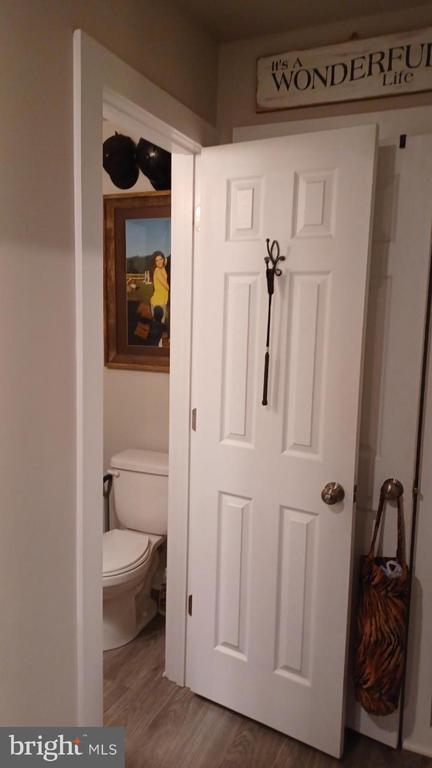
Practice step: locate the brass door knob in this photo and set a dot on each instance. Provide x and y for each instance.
(332, 493)
(391, 489)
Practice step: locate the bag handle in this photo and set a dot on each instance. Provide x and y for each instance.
(391, 489)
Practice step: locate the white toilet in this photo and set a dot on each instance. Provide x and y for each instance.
(130, 552)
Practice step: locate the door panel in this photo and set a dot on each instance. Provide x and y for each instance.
(306, 335)
(240, 342)
(270, 563)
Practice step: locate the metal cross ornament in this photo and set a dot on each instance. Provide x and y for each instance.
(272, 270)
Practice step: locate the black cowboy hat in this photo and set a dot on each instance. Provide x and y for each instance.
(119, 160)
(155, 163)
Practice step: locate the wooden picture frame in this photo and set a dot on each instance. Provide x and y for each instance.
(137, 261)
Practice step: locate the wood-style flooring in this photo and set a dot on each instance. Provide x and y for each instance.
(170, 727)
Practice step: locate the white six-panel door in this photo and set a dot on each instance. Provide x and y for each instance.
(270, 563)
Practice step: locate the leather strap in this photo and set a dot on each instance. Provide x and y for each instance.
(400, 555)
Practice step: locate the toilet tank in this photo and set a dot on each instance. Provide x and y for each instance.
(140, 485)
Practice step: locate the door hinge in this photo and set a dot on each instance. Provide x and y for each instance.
(190, 605)
(355, 493)
(197, 218)
(194, 419)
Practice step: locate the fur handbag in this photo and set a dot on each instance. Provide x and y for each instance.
(382, 619)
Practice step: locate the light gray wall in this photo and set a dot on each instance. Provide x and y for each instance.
(237, 69)
(37, 334)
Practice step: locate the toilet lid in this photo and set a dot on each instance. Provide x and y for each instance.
(123, 550)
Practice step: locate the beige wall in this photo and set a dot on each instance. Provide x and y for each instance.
(135, 411)
(237, 69)
(37, 402)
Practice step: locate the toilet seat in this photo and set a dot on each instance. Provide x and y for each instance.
(124, 551)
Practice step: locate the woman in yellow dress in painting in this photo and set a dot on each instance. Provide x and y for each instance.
(160, 294)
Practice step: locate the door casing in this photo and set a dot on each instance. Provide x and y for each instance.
(104, 86)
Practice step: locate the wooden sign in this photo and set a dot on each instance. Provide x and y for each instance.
(360, 69)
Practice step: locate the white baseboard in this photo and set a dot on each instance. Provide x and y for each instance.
(420, 749)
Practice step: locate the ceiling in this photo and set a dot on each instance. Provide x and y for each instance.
(241, 19)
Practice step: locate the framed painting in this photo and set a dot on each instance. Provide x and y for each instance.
(137, 268)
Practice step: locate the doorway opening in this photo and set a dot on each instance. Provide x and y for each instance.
(136, 187)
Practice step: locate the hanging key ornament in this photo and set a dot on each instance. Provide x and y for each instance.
(271, 261)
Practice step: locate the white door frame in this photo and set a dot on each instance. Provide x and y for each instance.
(105, 86)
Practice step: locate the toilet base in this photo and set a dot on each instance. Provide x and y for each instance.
(127, 604)
(124, 617)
